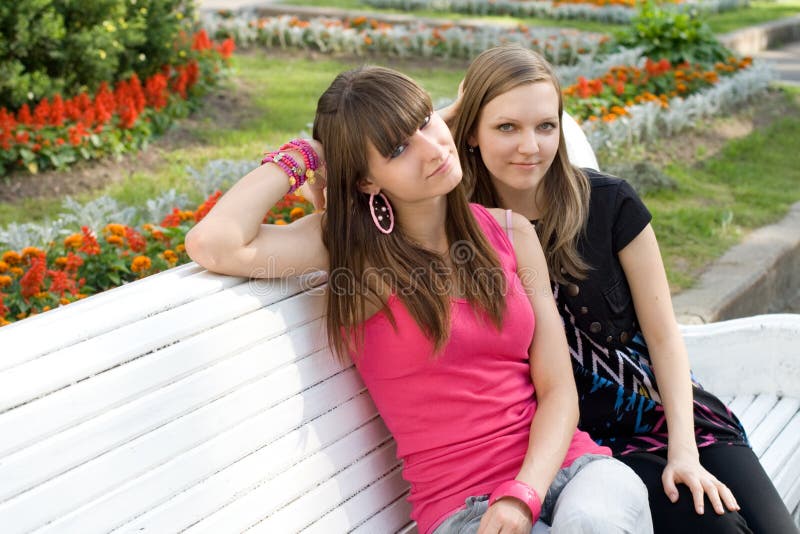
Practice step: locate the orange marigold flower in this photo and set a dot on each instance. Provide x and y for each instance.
(170, 256)
(21, 315)
(4, 322)
(41, 295)
(280, 222)
(73, 241)
(141, 264)
(12, 258)
(5, 280)
(296, 213)
(60, 261)
(3, 266)
(31, 252)
(115, 240)
(64, 301)
(180, 249)
(17, 271)
(115, 229)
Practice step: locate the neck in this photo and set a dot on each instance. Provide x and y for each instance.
(423, 222)
(522, 202)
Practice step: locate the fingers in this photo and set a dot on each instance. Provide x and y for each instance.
(711, 489)
(727, 498)
(670, 488)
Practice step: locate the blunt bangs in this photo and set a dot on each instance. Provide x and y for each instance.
(386, 107)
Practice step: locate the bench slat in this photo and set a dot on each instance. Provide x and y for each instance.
(61, 368)
(96, 315)
(115, 428)
(774, 422)
(740, 403)
(757, 410)
(236, 460)
(789, 473)
(362, 506)
(280, 491)
(330, 493)
(779, 452)
(391, 519)
(70, 406)
(102, 475)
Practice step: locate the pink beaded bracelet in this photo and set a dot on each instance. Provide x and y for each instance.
(310, 157)
(290, 166)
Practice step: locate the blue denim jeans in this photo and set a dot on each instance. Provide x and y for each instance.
(596, 494)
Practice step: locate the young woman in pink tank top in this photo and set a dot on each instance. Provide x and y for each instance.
(445, 307)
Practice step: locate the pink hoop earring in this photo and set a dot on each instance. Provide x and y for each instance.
(384, 216)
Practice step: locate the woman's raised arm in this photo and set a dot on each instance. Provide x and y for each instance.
(232, 240)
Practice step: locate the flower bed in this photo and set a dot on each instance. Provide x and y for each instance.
(34, 280)
(57, 132)
(363, 36)
(614, 11)
(608, 97)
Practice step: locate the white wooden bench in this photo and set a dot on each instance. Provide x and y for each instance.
(202, 403)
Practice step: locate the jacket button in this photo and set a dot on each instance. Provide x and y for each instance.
(595, 328)
(624, 337)
(573, 290)
(584, 310)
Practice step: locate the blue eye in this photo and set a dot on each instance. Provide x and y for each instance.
(398, 151)
(505, 127)
(547, 126)
(425, 122)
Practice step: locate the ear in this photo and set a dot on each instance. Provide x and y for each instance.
(368, 186)
(472, 140)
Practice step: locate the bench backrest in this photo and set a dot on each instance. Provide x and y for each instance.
(190, 400)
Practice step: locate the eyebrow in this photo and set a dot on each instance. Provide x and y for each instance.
(511, 119)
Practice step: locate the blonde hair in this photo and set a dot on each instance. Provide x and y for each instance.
(385, 107)
(565, 189)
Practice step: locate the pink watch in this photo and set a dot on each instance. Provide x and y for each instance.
(523, 492)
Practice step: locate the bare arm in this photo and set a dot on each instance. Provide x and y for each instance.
(556, 417)
(644, 270)
(232, 240)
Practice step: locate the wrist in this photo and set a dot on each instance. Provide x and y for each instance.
(522, 492)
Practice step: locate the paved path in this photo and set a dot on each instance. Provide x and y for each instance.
(786, 62)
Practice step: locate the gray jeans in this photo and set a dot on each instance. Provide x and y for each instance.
(596, 494)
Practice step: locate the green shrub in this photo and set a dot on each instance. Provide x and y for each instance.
(674, 35)
(50, 47)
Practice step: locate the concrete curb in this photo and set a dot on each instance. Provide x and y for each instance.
(759, 275)
(755, 39)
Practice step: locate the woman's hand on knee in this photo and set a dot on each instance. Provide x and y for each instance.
(507, 516)
(700, 482)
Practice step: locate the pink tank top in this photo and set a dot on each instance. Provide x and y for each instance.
(461, 419)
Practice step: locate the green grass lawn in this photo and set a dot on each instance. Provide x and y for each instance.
(750, 183)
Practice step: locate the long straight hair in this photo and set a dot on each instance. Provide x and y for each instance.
(565, 189)
(384, 107)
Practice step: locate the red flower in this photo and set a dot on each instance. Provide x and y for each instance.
(226, 48)
(74, 262)
(41, 114)
(31, 281)
(135, 240)
(206, 206)
(155, 89)
(24, 114)
(90, 246)
(57, 111)
(173, 219)
(60, 283)
(201, 41)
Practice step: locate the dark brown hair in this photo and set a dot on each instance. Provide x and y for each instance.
(385, 107)
(564, 193)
